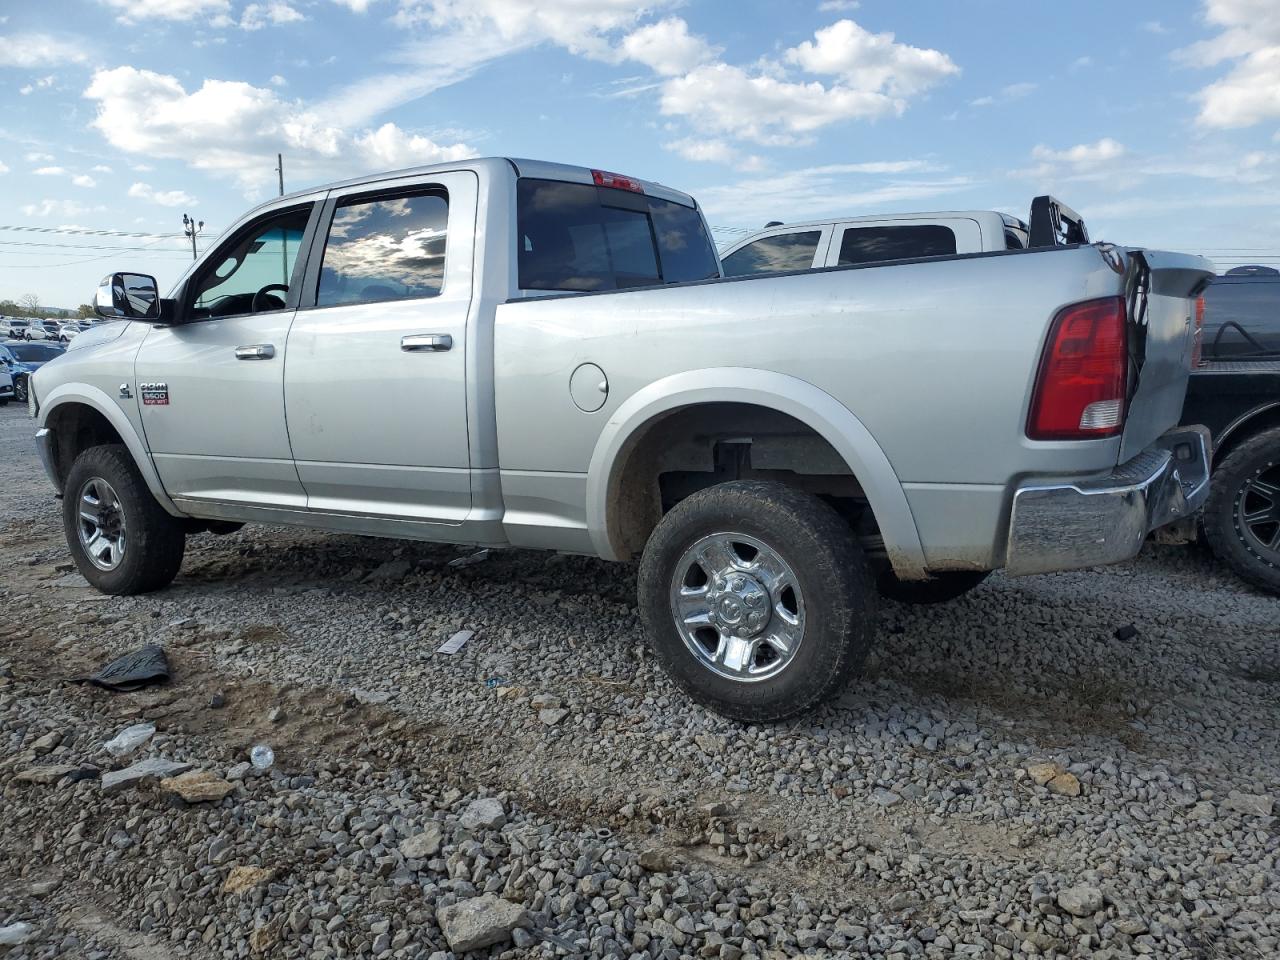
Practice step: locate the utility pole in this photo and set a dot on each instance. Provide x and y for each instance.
(191, 229)
(280, 170)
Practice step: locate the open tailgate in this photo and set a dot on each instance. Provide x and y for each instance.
(1161, 289)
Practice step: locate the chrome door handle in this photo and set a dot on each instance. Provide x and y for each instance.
(438, 342)
(256, 351)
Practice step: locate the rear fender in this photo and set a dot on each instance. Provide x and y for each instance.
(796, 398)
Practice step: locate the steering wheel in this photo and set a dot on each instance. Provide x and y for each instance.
(260, 298)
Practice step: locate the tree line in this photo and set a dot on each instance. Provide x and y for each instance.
(28, 305)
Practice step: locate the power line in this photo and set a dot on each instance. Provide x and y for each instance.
(85, 231)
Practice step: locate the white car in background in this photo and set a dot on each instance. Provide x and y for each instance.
(43, 330)
(6, 386)
(71, 329)
(14, 328)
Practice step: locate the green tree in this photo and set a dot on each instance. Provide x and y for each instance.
(84, 311)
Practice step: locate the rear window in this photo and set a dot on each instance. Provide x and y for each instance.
(580, 237)
(872, 244)
(774, 254)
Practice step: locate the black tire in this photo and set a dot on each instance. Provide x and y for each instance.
(1229, 537)
(939, 588)
(20, 389)
(154, 541)
(830, 569)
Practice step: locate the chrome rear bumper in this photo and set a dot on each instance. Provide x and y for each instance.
(1086, 523)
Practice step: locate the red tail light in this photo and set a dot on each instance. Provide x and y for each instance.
(1081, 389)
(616, 180)
(1197, 338)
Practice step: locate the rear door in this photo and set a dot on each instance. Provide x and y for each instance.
(375, 389)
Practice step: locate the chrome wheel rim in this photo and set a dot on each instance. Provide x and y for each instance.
(738, 607)
(100, 524)
(1259, 512)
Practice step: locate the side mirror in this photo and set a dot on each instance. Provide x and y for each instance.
(129, 296)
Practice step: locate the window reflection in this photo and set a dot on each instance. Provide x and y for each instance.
(385, 250)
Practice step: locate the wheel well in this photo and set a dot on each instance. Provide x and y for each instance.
(77, 427)
(685, 450)
(1250, 427)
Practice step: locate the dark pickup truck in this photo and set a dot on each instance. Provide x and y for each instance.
(1235, 391)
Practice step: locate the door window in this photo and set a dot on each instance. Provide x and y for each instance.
(385, 249)
(252, 273)
(775, 254)
(873, 244)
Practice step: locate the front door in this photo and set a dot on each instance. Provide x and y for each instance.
(211, 388)
(376, 385)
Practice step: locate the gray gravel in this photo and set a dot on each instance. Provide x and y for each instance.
(1009, 779)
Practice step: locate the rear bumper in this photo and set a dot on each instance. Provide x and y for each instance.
(1085, 523)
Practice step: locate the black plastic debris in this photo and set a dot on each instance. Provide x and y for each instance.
(134, 670)
(1127, 632)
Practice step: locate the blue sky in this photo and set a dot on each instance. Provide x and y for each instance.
(1158, 121)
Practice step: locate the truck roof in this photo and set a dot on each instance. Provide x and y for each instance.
(540, 169)
(1008, 220)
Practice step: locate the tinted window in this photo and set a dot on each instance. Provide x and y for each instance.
(575, 236)
(784, 251)
(1242, 318)
(34, 352)
(256, 265)
(872, 244)
(385, 249)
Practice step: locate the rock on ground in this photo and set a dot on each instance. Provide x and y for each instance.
(480, 922)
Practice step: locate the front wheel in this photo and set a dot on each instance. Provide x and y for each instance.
(1242, 516)
(121, 540)
(757, 599)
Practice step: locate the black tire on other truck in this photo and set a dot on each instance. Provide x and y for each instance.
(139, 546)
(20, 389)
(789, 599)
(1241, 519)
(939, 588)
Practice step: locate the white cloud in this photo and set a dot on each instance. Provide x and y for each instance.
(272, 13)
(84, 180)
(837, 6)
(1249, 93)
(278, 81)
(37, 157)
(1080, 63)
(41, 50)
(140, 11)
(703, 150)
(49, 171)
(41, 84)
(845, 189)
(1014, 91)
(1082, 154)
(355, 6)
(235, 129)
(871, 61)
(48, 208)
(1155, 26)
(101, 168)
(666, 47)
(166, 198)
(389, 147)
(4, 168)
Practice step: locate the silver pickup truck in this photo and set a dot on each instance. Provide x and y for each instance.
(517, 353)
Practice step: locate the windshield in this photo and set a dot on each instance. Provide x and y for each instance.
(34, 352)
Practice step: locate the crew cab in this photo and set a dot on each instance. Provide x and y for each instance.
(513, 353)
(1235, 392)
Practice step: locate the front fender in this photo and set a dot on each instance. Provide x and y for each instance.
(818, 410)
(90, 396)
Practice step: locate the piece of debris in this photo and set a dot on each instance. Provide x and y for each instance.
(478, 557)
(134, 670)
(454, 643)
(244, 878)
(42, 888)
(46, 744)
(45, 775)
(16, 934)
(1065, 785)
(552, 715)
(422, 845)
(484, 814)
(480, 922)
(265, 937)
(1127, 632)
(886, 798)
(1081, 901)
(655, 861)
(371, 697)
(217, 701)
(1252, 804)
(1042, 773)
(129, 739)
(156, 768)
(198, 786)
(276, 715)
(262, 757)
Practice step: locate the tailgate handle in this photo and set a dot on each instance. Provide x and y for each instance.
(435, 342)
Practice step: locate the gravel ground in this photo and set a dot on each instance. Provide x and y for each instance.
(1010, 778)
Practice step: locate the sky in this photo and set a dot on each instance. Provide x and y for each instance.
(1158, 121)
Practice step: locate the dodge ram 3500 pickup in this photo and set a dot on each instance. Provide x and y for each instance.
(517, 353)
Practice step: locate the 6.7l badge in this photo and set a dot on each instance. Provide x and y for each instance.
(154, 394)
